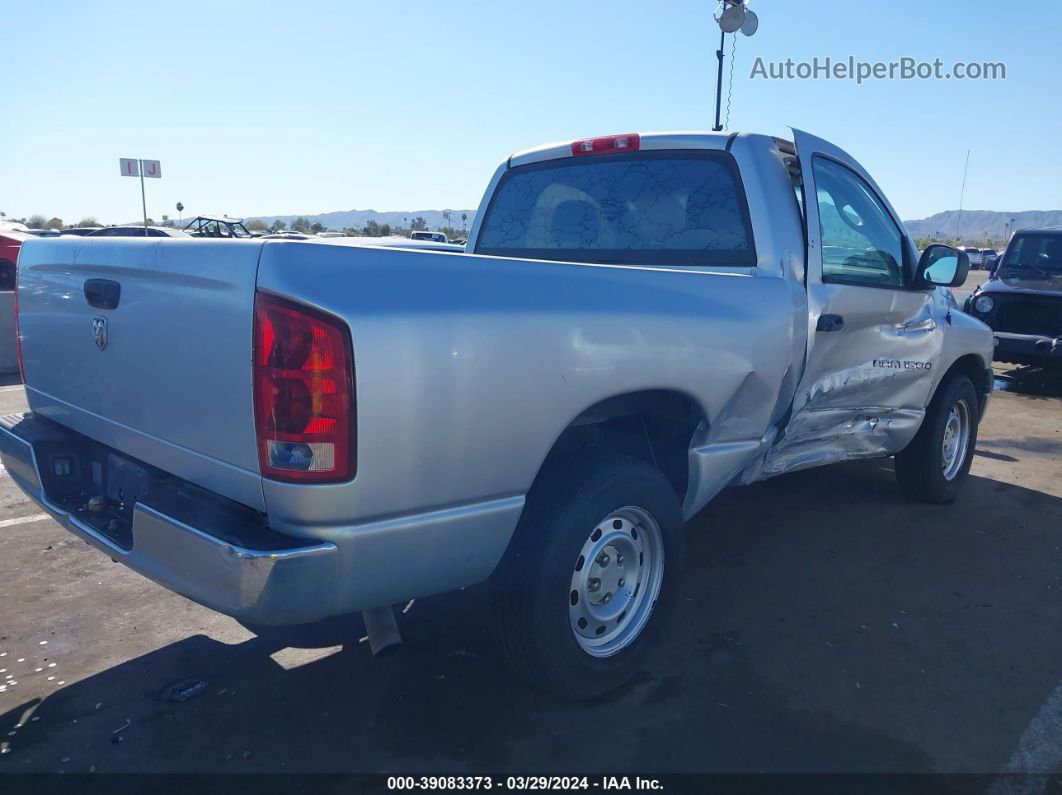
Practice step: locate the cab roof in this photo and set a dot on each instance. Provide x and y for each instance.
(692, 139)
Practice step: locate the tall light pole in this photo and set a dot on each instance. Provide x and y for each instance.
(735, 16)
(719, 82)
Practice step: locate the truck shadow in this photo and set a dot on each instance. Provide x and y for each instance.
(826, 625)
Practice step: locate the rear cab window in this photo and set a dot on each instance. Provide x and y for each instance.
(673, 207)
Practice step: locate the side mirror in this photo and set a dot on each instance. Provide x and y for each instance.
(992, 264)
(942, 266)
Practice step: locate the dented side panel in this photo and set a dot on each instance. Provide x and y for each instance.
(865, 389)
(872, 362)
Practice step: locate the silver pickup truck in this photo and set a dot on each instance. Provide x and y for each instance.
(285, 431)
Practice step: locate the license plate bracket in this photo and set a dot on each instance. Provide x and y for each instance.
(126, 481)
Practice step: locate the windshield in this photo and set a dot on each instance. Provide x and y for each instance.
(682, 208)
(1032, 256)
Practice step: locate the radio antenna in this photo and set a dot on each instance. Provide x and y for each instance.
(962, 195)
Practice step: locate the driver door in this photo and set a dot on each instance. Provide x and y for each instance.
(872, 341)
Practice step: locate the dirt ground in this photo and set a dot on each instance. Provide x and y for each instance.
(826, 625)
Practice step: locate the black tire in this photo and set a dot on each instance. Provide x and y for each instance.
(534, 632)
(920, 467)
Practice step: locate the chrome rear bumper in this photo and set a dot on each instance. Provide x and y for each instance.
(182, 538)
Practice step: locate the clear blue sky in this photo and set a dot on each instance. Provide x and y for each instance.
(260, 108)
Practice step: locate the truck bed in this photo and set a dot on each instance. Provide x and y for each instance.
(467, 369)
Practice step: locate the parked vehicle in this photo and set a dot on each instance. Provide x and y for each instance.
(974, 255)
(80, 230)
(284, 431)
(423, 234)
(135, 231)
(10, 243)
(217, 226)
(1022, 301)
(990, 259)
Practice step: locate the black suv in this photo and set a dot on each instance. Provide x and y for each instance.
(1022, 301)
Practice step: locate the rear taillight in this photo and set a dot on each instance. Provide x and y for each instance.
(303, 393)
(610, 143)
(18, 333)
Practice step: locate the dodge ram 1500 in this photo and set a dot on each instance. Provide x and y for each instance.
(284, 431)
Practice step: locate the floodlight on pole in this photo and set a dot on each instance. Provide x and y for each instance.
(733, 16)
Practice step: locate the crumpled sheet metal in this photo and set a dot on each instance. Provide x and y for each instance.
(864, 385)
(830, 435)
(839, 418)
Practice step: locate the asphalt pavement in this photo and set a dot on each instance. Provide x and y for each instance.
(826, 625)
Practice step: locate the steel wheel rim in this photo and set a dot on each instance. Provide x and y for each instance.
(956, 440)
(616, 581)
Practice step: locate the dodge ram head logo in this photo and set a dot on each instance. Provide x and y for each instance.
(99, 331)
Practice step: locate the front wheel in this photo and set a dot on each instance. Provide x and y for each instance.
(935, 464)
(590, 576)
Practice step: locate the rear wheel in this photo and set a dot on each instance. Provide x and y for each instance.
(590, 576)
(934, 465)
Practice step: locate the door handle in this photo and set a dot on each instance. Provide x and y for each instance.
(829, 323)
(103, 293)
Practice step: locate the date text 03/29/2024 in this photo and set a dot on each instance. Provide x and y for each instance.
(541, 783)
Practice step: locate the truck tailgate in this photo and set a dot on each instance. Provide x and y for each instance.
(165, 375)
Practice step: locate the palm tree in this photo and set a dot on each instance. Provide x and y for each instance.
(464, 222)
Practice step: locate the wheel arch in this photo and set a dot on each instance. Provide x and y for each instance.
(973, 367)
(656, 425)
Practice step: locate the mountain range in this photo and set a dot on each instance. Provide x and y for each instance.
(976, 226)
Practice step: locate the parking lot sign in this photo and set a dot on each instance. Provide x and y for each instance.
(136, 167)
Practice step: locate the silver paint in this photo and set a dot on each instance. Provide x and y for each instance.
(173, 386)
(267, 587)
(468, 369)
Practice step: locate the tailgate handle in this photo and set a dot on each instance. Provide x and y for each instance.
(103, 293)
